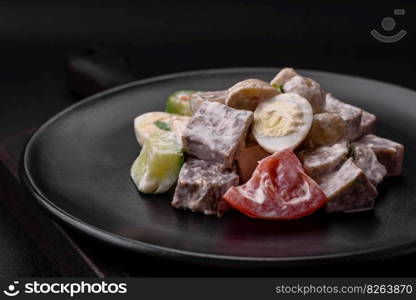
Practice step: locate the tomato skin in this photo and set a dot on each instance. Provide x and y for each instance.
(278, 190)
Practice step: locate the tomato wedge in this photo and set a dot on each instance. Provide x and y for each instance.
(279, 189)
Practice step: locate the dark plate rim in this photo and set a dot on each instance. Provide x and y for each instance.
(189, 256)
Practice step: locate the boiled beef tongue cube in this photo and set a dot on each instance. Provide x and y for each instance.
(201, 185)
(348, 189)
(323, 160)
(352, 115)
(216, 132)
(389, 153)
(365, 158)
(359, 121)
(197, 98)
(307, 88)
(367, 124)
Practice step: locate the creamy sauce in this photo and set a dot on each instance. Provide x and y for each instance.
(259, 195)
(306, 195)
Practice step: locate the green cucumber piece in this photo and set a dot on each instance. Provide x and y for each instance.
(157, 167)
(178, 103)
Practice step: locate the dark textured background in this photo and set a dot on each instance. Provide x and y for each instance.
(161, 37)
(169, 36)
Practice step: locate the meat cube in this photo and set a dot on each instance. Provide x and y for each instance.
(307, 88)
(368, 121)
(196, 99)
(323, 160)
(201, 186)
(365, 158)
(389, 154)
(284, 75)
(327, 129)
(247, 160)
(349, 113)
(216, 132)
(247, 94)
(348, 189)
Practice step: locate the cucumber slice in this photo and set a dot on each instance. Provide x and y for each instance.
(158, 165)
(178, 103)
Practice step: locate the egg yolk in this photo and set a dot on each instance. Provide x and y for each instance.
(278, 119)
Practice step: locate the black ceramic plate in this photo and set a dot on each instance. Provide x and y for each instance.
(77, 167)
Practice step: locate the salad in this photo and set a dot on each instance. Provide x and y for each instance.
(280, 150)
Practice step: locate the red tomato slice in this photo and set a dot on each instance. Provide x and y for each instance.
(279, 189)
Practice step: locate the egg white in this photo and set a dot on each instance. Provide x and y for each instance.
(143, 124)
(274, 144)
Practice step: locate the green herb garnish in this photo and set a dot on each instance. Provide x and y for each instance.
(162, 125)
(279, 87)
